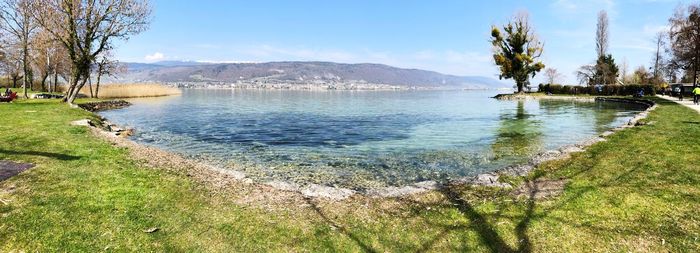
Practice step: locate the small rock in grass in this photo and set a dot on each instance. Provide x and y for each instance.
(151, 230)
(82, 122)
(606, 133)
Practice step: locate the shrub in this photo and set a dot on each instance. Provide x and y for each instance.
(606, 90)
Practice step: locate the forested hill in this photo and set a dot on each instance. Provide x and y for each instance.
(301, 72)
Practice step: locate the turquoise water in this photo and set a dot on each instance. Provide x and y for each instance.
(363, 139)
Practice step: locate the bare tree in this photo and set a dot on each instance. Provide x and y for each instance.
(684, 38)
(62, 64)
(658, 58)
(12, 63)
(106, 66)
(552, 75)
(606, 70)
(17, 20)
(41, 56)
(624, 68)
(641, 75)
(586, 74)
(87, 28)
(601, 35)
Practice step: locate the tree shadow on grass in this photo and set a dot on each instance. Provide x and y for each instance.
(59, 156)
(365, 247)
(484, 224)
(481, 223)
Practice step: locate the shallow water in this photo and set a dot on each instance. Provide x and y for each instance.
(363, 139)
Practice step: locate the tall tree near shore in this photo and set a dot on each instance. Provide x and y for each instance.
(684, 38)
(17, 21)
(516, 54)
(606, 70)
(658, 60)
(601, 34)
(87, 28)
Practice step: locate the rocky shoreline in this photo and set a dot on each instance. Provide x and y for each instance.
(104, 105)
(223, 178)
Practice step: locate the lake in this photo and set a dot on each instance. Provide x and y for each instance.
(363, 139)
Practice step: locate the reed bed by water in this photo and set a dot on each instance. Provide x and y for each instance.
(135, 90)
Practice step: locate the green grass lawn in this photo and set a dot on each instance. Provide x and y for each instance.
(639, 191)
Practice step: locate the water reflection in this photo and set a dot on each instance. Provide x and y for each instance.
(518, 135)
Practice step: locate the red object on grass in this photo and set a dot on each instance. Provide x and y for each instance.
(12, 96)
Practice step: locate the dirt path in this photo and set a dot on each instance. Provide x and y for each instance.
(687, 101)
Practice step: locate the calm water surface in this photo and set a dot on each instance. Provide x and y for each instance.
(363, 139)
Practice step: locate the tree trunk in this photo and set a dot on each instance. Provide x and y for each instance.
(76, 91)
(25, 63)
(695, 66)
(77, 83)
(89, 80)
(43, 82)
(55, 81)
(97, 85)
(71, 86)
(520, 86)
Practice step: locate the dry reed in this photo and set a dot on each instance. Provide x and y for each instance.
(132, 90)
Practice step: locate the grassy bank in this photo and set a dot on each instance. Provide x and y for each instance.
(638, 191)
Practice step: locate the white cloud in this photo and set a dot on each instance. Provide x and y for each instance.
(157, 56)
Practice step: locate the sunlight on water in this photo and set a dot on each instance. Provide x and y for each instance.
(363, 139)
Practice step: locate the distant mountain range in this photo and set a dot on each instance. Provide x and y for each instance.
(301, 72)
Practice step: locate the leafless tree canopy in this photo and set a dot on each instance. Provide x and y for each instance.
(17, 21)
(586, 74)
(552, 75)
(658, 60)
(684, 38)
(87, 28)
(601, 35)
(624, 68)
(105, 65)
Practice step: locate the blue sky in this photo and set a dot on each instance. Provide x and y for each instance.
(446, 36)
